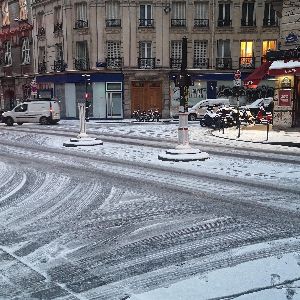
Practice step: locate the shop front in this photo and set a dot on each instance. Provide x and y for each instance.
(207, 86)
(103, 92)
(287, 93)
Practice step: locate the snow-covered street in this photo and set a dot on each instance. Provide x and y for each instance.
(114, 222)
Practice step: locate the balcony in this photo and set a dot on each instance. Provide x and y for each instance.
(59, 66)
(224, 23)
(58, 27)
(81, 24)
(200, 23)
(146, 63)
(113, 22)
(41, 32)
(42, 67)
(81, 64)
(146, 22)
(247, 62)
(270, 23)
(201, 63)
(175, 63)
(223, 63)
(114, 63)
(248, 23)
(178, 22)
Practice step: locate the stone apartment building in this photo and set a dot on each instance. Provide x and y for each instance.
(123, 55)
(16, 68)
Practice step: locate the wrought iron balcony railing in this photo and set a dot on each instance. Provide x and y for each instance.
(114, 63)
(59, 65)
(201, 63)
(224, 63)
(81, 24)
(270, 22)
(175, 63)
(178, 22)
(81, 64)
(58, 27)
(247, 62)
(41, 31)
(248, 23)
(146, 22)
(113, 22)
(42, 67)
(146, 63)
(201, 22)
(224, 23)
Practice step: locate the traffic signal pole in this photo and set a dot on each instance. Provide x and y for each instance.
(183, 151)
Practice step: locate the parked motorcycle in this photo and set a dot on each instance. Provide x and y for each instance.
(143, 116)
(209, 119)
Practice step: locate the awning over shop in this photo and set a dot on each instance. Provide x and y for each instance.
(258, 74)
(280, 67)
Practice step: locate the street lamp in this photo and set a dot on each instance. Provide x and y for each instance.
(87, 105)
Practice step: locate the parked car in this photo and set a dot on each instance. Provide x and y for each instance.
(40, 110)
(199, 109)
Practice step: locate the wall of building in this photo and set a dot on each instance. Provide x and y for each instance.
(161, 35)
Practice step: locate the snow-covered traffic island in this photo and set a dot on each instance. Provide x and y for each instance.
(114, 222)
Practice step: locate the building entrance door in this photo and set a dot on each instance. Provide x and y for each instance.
(146, 95)
(297, 102)
(114, 104)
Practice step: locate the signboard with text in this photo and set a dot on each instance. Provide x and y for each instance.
(284, 98)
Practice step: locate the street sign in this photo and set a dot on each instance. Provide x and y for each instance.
(237, 82)
(237, 74)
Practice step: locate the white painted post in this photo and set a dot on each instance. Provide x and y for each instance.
(82, 122)
(183, 132)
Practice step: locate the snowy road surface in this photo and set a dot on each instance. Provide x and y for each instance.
(113, 222)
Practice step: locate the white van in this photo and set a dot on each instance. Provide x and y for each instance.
(199, 109)
(40, 110)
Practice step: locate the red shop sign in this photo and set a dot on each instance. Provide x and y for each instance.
(284, 97)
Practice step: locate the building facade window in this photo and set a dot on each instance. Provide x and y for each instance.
(59, 54)
(247, 59)
(178, 17)
(224, 60)
(112, 11)
(270, 17)
(59, 64)
(176, 54)
(7, 53)
(81, 15)
(57, 19)
(224, 18)
(42, 60)
(248, 14)
(146, 19)
(25, 51)
(40, 24)
(146, 60)
(114, 54)
(200, 54)
(82, 57)
(268, 45)
(201, 14)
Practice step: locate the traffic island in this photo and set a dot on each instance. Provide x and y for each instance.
(184, 155)
(82, 138)
(87, 141)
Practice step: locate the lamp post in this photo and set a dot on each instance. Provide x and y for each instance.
(86, 96)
